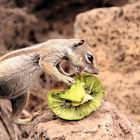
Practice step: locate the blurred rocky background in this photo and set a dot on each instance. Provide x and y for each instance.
(112, 29)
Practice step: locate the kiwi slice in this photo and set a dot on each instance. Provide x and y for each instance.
(77, 102)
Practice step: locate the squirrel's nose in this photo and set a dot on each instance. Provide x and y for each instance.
(91, 71)
(95, 71)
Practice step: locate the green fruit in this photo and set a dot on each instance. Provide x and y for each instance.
(79, 100)
(76, 92)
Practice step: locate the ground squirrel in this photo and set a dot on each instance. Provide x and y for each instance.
(19, 69)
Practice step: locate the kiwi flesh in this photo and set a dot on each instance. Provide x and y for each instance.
(75, 93)
(71, 105)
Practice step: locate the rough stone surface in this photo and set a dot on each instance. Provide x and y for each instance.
(17, 25)
(123, 91)
(114, 33)
(107, 123)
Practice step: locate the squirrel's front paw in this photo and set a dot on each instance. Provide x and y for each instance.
(68, 80)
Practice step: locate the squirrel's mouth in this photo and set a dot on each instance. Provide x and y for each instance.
(67, 68)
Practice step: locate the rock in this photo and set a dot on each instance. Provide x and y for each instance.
(7, 3)
(123, 91)
(20, 19)
(133, 1)
(17, 25)
(114, 34)
(107, 123)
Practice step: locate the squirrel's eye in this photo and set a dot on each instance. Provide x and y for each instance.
(89, 57)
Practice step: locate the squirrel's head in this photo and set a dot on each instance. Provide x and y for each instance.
(76, 51)
(81, 55)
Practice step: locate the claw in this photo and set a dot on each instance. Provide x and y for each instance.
(68, 80)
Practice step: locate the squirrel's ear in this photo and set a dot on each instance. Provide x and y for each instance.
(80, 43)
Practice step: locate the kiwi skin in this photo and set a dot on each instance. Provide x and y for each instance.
(65, 109)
